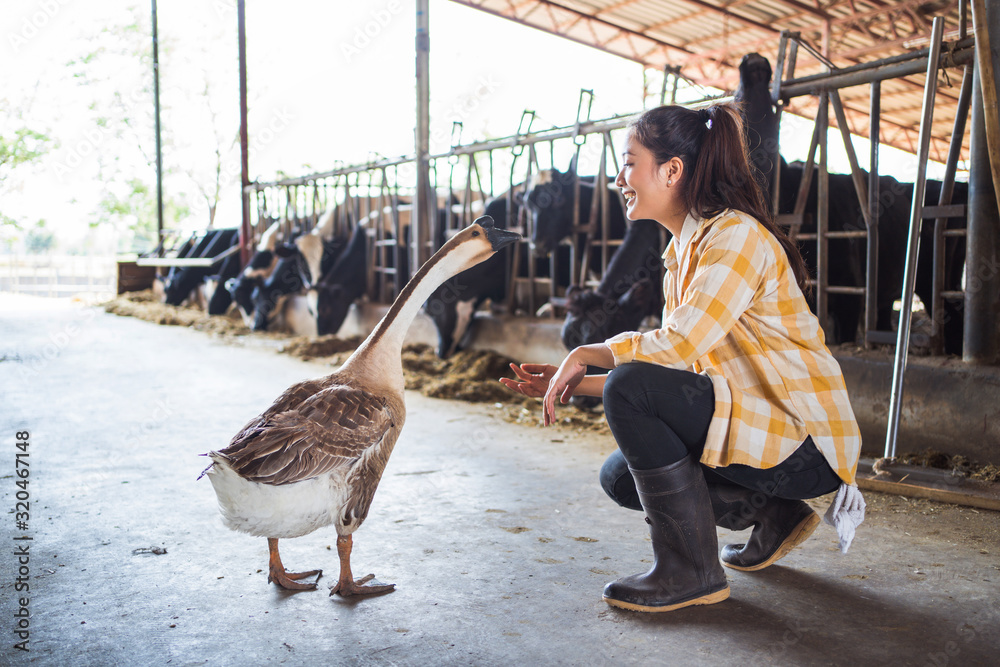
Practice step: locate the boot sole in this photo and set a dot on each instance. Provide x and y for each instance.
(799, 535)
(711, 598)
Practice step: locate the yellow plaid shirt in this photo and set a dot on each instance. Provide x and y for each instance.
(735, 314)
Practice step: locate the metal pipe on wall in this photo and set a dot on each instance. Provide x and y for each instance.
(982, 281)
(420, 228)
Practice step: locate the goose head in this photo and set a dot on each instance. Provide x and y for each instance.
(475, 243)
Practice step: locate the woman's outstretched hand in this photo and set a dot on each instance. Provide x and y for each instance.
(533, 379)
(547, 382)
(562, 384)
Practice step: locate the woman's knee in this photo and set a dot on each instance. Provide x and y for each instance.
(617, 482)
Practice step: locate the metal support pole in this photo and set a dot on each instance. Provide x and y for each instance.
(420, 229)
(823, 212)
(871, 291)
(983, 260)
(159, 145)
(913, 245)
(246, 233)
(947, 190)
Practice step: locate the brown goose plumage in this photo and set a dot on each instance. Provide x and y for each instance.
(316, 456)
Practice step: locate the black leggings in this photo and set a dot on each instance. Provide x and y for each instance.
(661, 415)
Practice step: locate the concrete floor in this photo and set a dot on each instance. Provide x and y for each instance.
(497, 535)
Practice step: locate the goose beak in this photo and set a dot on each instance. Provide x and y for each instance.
(497, 237)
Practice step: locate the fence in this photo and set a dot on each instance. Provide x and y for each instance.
(382, 194)
(58, 275)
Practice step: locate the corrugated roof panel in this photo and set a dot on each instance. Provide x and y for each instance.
(707, 39)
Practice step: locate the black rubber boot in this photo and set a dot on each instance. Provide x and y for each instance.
(780, 525)
(686, 569)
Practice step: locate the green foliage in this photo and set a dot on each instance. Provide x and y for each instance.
(20, 146)
(39, 240)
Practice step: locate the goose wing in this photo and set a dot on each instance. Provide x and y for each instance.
(334, 427)
(290, 399)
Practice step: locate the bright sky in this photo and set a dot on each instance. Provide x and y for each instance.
(330, 83)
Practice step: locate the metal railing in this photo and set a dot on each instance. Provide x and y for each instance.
(465, 178)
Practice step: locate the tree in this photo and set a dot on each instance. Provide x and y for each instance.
(20, 146)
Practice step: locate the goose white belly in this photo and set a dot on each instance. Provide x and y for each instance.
(288, 510)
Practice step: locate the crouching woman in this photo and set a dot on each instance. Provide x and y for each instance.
(732, 412)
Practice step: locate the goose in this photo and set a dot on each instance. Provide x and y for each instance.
(315, 457)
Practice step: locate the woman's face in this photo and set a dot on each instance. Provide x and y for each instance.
(644, 183)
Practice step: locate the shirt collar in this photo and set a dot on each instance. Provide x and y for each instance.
(678, 244)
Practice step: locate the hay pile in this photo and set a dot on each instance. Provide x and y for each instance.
(146, 306)
(986, 472)
(472, 375)
(322, 346)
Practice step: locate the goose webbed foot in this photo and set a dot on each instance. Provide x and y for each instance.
(287, 580)
(360, 587)
(347, 585)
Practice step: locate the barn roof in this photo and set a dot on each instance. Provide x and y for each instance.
(707, 39)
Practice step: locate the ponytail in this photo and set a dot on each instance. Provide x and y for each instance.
(711, 144)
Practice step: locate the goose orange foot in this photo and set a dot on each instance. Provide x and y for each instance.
(347, 585)
(288, 580)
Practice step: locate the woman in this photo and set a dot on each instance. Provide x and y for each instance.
(733, 411)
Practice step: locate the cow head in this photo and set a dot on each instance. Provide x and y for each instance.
(549, 202)
(755, 71)
(286, 278)
(593, 317)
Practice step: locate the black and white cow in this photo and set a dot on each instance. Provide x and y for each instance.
(181, 282)
(257, 270)
(453, 304)
(345, 282)
(300, 264)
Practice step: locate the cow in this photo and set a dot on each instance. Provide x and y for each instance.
(549, 201)
(181, 282)
(219, 298)
(257, 270)
(847, 257)
(453, 304)
(753, 97)
(300, 264)
(346, 281)
(628, 292)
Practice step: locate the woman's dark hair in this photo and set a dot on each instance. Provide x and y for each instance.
(718, 174)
